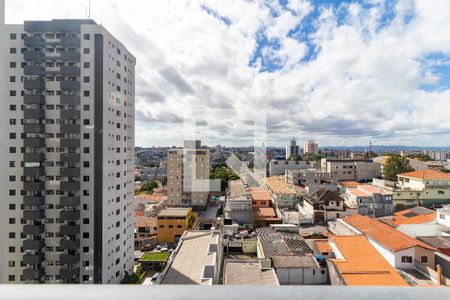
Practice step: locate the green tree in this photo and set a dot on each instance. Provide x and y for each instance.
(225, 174)
(148, 187)
(396, 165)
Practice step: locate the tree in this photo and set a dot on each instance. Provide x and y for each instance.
(422, 157)
(225, 174)
(148, 187)
(396, 165)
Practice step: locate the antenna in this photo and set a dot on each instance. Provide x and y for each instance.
(89, 14)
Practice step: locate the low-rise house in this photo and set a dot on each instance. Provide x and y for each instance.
(260, 198)
(311, 179)
(370, 200)
(238, 203)
(173, 222)
(443, 216)
(292, 257)
(278, 167)
(327, 205)
(414, 215)
(398, 249)
(343, 169)
(283, 195)
(144, 231)
(358, 263)
(196, 259)
(442, 243)
(264, 216)
(249, 272)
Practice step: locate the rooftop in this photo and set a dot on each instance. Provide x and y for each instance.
(357, 192)
(361, 264)
(278, 185)
(259, 195)
(350, 184)
(142, 221)
(266, 213)
(190, 258)
(415, 215)
(174, 212)
(274, 242)
(289, 261)
(154, 256)
(384, 234)
(248, 273)
(236, 191)
(439, 242)
(427, 174)
(323, 246)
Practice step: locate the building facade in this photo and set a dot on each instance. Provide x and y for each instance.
(292, 149)
(68, 137)
(188, 170)
(173, 222)
(311, 147)
(343, 169)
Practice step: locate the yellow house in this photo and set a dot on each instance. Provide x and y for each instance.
(172, 222)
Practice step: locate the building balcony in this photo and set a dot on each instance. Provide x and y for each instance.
(70, 85)
(32, 41)
(70, 41)
(33, 128)
(70, 186)
(69, 229)
(34, 186)
(34, 142)
(33, 200)
(34, 70)
(70, 114)
(33, 215)
(69, 259)
(69, 215)
(34, 84)
(33, 259)
(67, 274)
(33, 114)
(70, 157)
(70, 128)
(70, 172)
(34, 157)
(33, 229)
(70, 55)
(34, 56)
(34, 99)
(69, 71)
(33, 274)
(70, 143)
(34, 171)
(70, 99)
(33, 245)
(69, 201)
(65, 244)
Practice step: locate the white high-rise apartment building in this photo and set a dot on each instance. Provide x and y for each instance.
(311, 148)
(188, 168)
(66, 180)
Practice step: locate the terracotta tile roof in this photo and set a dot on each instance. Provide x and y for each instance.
(279, 186)
(323, 246)
(145, 221)
(350, 184)
(384, 234)
(260, 195)
(357, 192)
(415, 215)
(264, 213)
(139, 213)
(373, 189)
(362, 264)
(427, 174)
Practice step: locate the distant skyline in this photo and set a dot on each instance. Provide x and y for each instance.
(339, 72)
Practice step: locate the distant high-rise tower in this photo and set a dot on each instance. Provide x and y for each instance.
(182, 165)
(66, 180)
(311, 148)
(292, 149)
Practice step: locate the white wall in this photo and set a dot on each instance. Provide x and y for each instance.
(394, 259)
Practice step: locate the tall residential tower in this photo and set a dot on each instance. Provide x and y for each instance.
(292, 149)
(66, 181)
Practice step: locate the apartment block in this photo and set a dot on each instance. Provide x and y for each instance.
(292, 149)
(67, 133)
(173, 222)
(188, 170)
(311, 147)
(343, 169)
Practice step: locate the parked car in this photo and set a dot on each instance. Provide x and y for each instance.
(146, 248)
(155, 277)
(164, 249)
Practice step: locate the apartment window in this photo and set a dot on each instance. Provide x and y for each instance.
(85, 249)
(86, 93)
(424, 259)
(12, 65)
(12, 149)
(12, 93)
(86, 51)
(85, 221)
(86, 164)
(86, 107)
(13, 108)
(12, 235)
(86, 36)
(11, 264)
(85, 235)
(12, 136)
(86, 150)
(12, 50)
(161, 226)
(86, 122)
(13, 36)
(86, 136)
(12, 164)
(12, 78)
(11, 277)
(12, 249)
(85, 277)
(87, 65)
(86, 79)
(406, 259)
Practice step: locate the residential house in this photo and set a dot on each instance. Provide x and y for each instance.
(196, 259)
(398, 249)
(238, 203)
(173, 222)
(144, 231)
(249, 272)
(283, 195)
(443, 216)
(264, 216)
(370, 200)
(311, 179)
(442, 243)
(414, 215)
(358, 263)
(327, 205)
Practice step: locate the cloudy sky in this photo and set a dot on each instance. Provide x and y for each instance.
(340, 72)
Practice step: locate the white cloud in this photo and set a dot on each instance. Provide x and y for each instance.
(363, 84)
